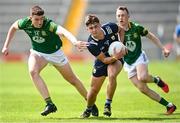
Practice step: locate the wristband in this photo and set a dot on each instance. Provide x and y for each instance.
(114, 58)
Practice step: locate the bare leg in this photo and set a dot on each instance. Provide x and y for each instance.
(145, 89)
(142, 74)
(140, 81)
(68, 75)
(35, 65)
(113, 71)
(96, 83)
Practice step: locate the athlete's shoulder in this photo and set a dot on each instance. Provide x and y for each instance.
(23, 22)
(49, 25)
(135, 24)
(141, 29)
(109, 24)
(47, 22)
(92, 42)
(110, 27)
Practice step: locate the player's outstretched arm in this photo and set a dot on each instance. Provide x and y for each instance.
(79, 44)
(9, 37)
(156, 41)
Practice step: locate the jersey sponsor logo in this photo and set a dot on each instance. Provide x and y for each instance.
(131, 45)
(38, 39)
(113, 37)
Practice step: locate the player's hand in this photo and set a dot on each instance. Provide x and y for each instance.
(5, 51)
(165, 52)
(81, 45)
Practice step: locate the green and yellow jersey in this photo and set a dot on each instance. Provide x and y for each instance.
(43, 39)
(132, 40)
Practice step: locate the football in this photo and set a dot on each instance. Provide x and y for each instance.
(116, 46)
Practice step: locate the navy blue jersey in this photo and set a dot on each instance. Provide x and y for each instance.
(110, 35)
(97, 46)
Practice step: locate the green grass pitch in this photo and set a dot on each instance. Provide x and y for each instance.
(21, 102)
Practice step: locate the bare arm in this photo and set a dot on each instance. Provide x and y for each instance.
(63, 32)
(155, 40)
(106, 60)
(9, 37)
(158, 43)
(111, 59)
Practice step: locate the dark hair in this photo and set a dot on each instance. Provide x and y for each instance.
(36, 10)
(124, 8)
(91, 19)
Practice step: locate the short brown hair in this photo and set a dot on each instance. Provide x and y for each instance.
(124, 8)
(91, 19)
(36, 10)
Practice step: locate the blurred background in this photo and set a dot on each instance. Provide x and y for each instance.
(158, 16)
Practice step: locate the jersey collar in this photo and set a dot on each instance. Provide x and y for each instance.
(129, 26)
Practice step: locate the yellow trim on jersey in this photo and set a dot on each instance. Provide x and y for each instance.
(73, 21)
(129, 24)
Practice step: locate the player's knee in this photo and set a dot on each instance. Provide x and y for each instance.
(142, 78)
(112, 76)
(33, 73)
(94, 91)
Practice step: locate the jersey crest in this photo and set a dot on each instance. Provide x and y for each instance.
(131, 45)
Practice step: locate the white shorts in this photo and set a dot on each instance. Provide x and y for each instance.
(57, 58)
(131, 69)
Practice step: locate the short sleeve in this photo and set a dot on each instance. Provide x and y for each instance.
(53, 27)
(94, 50)
(142, 31)
(114, 27)
(22, 23)
(111, 27)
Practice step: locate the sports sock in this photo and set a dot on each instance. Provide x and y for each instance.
(169, 104)
(158, 81)
(163, 102)
(48, 100)
(108, 102)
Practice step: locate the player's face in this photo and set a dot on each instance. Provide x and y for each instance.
(122, 17)
(94, 29)
(37, 21)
